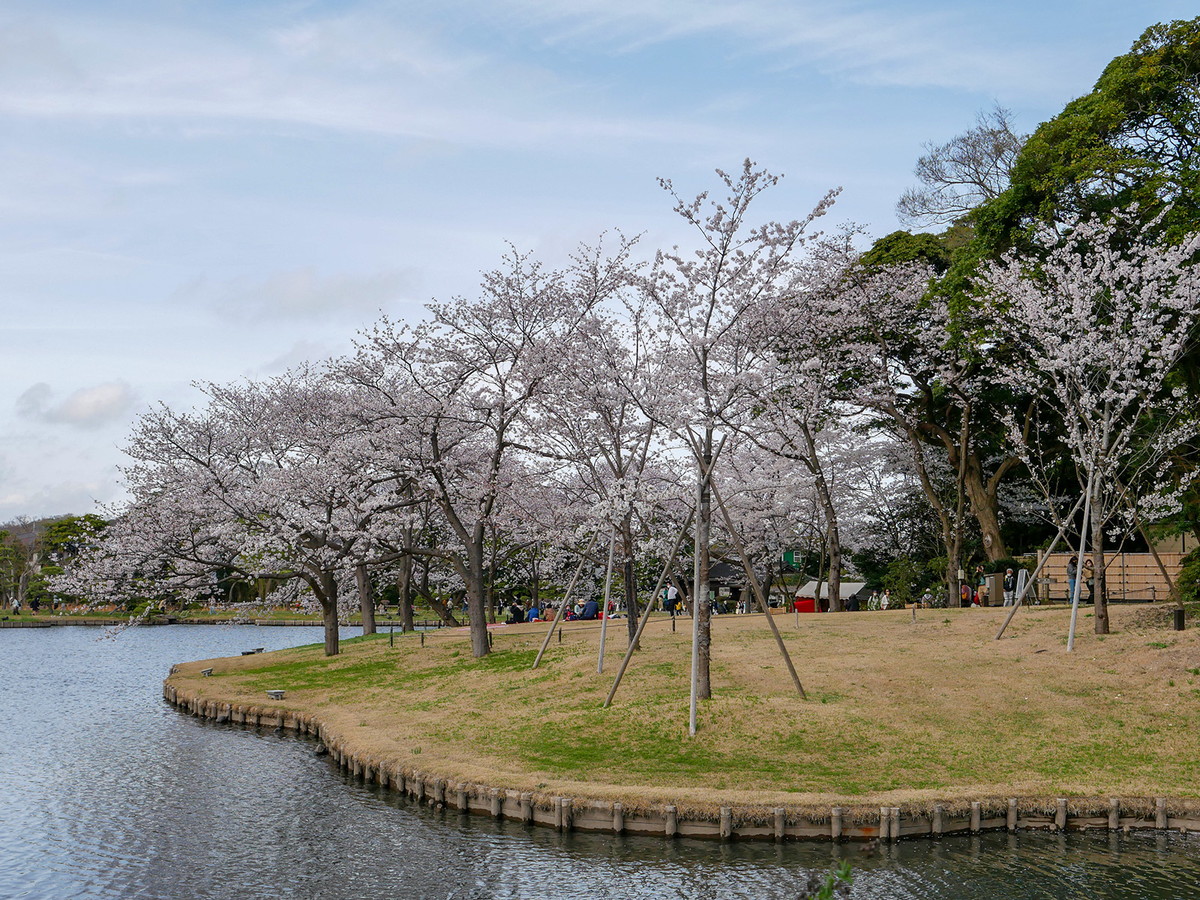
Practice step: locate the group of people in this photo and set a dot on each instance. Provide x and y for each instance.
(1089, 579)
(977, 595)
(531, 612)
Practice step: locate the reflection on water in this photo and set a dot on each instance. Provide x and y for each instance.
(107, 792)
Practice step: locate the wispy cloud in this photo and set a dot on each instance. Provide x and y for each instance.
(356, 72)
(87, 407)
(301, 294)
(874, 43)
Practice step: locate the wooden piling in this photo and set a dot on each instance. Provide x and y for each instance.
(1114, 813)
(894, 823)
(780, 823)
(670, 822)
(1160, 812)
(1011, 821)
(939, 819)
(726, 823)
(618, 820)
(1060, 815)
(976, 816)
(835, 823)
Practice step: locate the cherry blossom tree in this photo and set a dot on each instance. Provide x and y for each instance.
(1100, 319)
(455, 391)
(705, 301)
(266, 481)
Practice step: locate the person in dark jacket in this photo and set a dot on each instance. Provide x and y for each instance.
(591, 610)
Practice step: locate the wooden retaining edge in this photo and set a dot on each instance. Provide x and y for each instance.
(731, 823)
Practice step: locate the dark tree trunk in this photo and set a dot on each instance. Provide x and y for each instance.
(477, 596)
(328, 597)
(365, 601)
(404, 594)
(627, 573)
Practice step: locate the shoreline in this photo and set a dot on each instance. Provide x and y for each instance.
(915, 725)
(735, 822)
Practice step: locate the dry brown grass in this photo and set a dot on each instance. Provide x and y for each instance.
(900, 711)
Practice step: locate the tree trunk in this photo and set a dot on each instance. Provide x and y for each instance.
(1101, 602)
(365, 601)
(984, 506)
(627, 573)
(476, 578)
(329, 610)
(404, 594)
(704, 616)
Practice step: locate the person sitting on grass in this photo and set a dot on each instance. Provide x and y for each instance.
(591, 610)
(516, 615)
(534, 614)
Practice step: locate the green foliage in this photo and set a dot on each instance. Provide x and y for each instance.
(1189, 578)
(1131, 140)
(836, 884)
(905, 247)
(902, 579)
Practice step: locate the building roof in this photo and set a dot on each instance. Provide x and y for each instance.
(847, 588)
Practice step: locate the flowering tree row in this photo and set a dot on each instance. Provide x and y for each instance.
(599, 403)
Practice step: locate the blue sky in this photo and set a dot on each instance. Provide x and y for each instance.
(201, 191)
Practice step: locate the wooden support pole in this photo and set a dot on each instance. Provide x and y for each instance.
(835, 823)
(780, 823)
(618, 822)
(562, 607)
(726, 823)
(670, 822)
(527, 808)
(608, 573)
(939, 820)
(633, 645)
(1114, 814)
(976, 816)
(894, 827)
(464, 803)
(1060, 815)
(1160, 813)
(757, 588)
(1011, 821)
(1042, 560)
(885, 822)
(1079, 579)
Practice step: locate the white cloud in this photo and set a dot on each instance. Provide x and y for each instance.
(88, 407)
(302, 294)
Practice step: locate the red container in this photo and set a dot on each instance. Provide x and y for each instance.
(804, 604)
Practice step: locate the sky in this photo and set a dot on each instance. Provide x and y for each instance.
(207, 190)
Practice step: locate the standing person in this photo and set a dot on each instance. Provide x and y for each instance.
(886, 600)
(1072, 574)
(672, 598)
(1089, 578)
(980, 585)
(1010, 587)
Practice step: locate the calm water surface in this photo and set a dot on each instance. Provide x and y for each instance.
(107, 792)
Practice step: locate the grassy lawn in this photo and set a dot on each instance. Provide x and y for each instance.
(900, 711)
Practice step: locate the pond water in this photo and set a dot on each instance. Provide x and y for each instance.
(108, 792)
